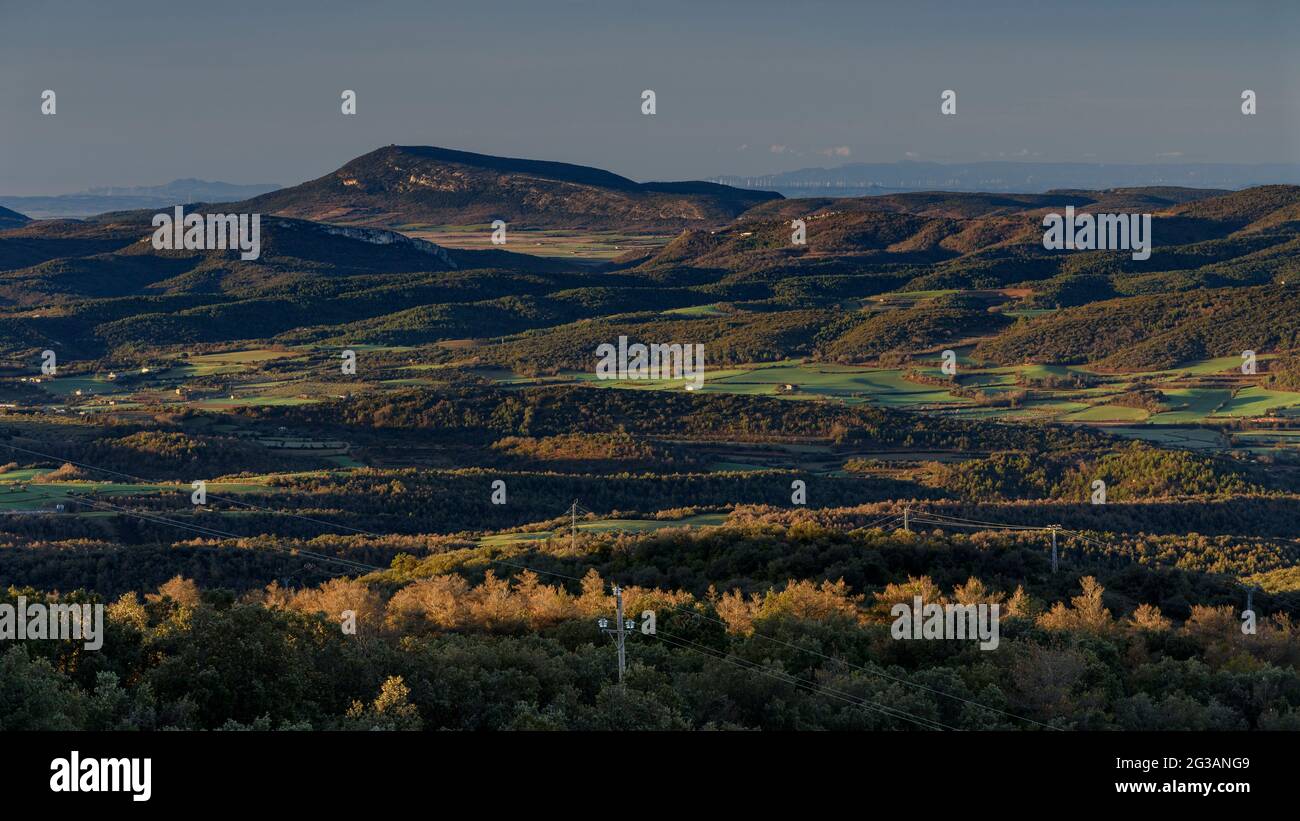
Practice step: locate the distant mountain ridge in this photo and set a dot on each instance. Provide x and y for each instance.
(399, 186)
(862, 179)
(104, 199)
(188, 189)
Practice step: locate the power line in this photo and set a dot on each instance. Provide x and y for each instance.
(575, 507)
(894, 679)
(756, 634)
(744, 664)
(976, 524)
(878, 522)
(996, 525)
(204, 530)
(697, 614)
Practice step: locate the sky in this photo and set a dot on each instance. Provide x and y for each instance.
(249, 92)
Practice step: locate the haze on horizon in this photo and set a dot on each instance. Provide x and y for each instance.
(244, 93)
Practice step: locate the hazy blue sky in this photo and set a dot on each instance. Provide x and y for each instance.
(249, 91)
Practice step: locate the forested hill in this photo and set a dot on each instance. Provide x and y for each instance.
(398, 185)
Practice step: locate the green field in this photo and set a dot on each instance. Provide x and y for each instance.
(1108, 413)
(887, 387)
(808, 381)
(1200, 403)
(228, 362)
(696, 310)
(595, 245)
(1256, 401)
(243, 401)
(602, 526)
(19, 491)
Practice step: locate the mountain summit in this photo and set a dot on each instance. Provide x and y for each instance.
(405, 185)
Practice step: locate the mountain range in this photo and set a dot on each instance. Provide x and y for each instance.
(864, 179)
(124, 198)
(97, 287)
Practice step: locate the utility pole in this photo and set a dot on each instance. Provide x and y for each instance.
(622, 652)
(907, 515)
(618, 631)
(573, 528)
(1054, 528)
